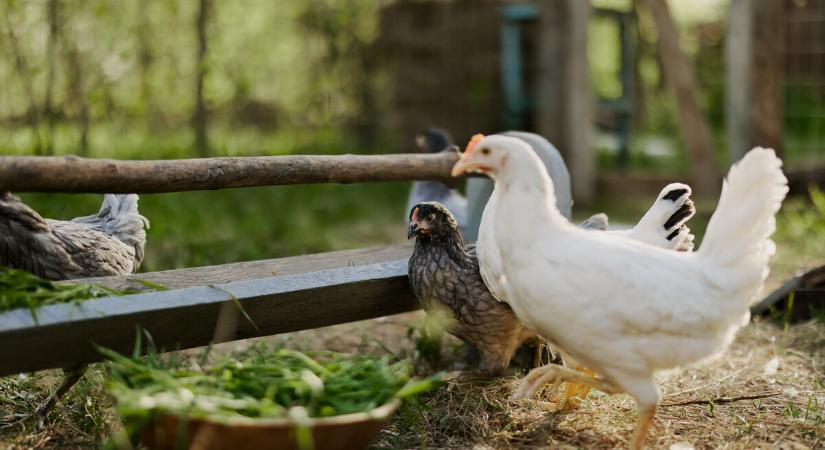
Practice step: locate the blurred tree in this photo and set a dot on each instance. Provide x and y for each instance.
(695, 128)
(24, 77)
(145, 60)
(76, 101)
(199, 118)
(49, 111)
(344, 79)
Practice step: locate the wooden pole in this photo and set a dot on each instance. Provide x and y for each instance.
(74, 174)
(565, 100)
(755, 66)
(695, 128)
(739, 63)
(768, 74)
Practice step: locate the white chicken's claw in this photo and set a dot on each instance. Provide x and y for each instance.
(556, 374)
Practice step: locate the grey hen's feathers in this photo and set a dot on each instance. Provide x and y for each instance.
(119, 217)
(108, 243)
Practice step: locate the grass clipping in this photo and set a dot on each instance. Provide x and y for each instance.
(21, 289)
(265, 383)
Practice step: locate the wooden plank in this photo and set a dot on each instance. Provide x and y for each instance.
(812, 281)
(184, 318)
(73, 174)
(225, 273)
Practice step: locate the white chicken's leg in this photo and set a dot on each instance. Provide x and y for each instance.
(645, 420)
(540, 376)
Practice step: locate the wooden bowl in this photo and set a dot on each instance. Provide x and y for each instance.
(345, 432)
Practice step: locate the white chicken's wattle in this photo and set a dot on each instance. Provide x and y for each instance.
(622, 307)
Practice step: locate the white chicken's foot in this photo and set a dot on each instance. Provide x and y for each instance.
(645, 421)
(556, 374)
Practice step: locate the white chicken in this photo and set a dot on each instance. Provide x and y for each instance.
(622, 307)
(663, 225)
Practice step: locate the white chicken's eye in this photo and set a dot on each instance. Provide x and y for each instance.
(485, 151)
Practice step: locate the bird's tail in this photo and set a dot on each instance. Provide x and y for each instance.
(737, 242)
(665, 223)
(119, 217)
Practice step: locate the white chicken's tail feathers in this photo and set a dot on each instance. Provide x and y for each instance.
(737, 241)
(665, 223)
(119, 217)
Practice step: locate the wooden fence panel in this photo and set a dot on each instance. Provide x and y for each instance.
(354, 285)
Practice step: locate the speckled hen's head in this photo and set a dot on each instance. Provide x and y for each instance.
(431, 219)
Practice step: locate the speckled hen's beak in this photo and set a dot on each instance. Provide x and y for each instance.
(412, 230)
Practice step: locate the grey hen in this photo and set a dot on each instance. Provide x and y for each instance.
(107, 243)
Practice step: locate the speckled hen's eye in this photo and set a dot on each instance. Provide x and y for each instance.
(430, 217)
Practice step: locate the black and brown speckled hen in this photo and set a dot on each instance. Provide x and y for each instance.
(444, 274)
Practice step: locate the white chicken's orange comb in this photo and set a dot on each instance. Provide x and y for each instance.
(473, 141)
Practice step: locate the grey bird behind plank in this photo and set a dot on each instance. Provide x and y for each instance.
(110, 242)
(434, 140)
(479, 189)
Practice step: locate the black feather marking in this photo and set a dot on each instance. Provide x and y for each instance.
(675, 233)
(674, 194)
(684, 212)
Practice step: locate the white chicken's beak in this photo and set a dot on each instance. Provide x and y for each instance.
(463, 166)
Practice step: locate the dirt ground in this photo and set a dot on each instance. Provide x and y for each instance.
(767, 391)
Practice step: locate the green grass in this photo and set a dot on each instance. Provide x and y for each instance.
(262, 383)
(21, 289)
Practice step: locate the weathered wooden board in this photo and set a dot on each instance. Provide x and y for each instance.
(809, 296)
(74, 174)
(225, 273)
(294, 299)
